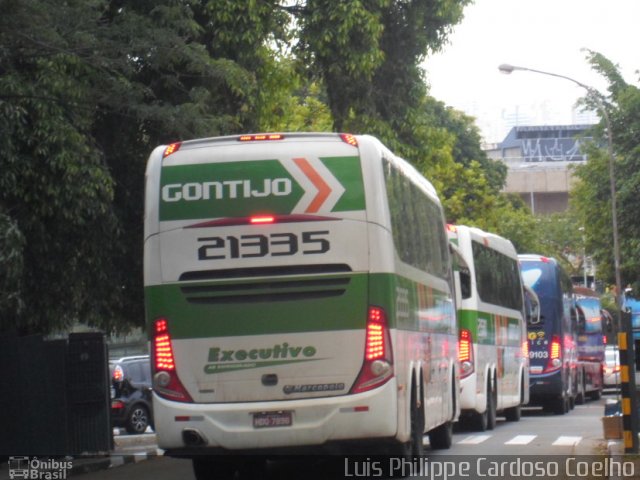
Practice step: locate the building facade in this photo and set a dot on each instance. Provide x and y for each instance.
(539, 161)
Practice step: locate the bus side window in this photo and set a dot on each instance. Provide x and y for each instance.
(581, 320)
(574, 318)
(532, 306)
(465, 282)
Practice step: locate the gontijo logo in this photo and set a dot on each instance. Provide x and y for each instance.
(293, 185)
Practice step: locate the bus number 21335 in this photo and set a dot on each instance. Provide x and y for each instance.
(275, 245)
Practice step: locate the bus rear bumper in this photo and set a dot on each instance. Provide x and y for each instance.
(473, 399)
(184, 428)
(545, 387)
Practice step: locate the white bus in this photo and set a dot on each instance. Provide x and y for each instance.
(492, 328)
(298, 293)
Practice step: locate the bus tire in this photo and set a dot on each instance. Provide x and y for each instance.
(559, 406)
(441, 437)
(596, 394)
(582, 388)
(415, 447)
(492, 400)
(513, 414)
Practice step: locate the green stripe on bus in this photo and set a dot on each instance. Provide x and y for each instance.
(258, 311)
(348, 172)
(482, 326)
(238, 189)
(255, 312)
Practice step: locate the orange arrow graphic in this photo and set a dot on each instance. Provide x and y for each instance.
(323, 189)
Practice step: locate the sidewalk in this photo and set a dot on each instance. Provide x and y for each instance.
(127, 449)
(615, 450)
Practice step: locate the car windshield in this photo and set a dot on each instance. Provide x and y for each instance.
(612, 355)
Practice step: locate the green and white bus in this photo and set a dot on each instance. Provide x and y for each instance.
(494, 364)
(299, 293)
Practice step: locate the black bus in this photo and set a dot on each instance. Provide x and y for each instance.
(552, 337)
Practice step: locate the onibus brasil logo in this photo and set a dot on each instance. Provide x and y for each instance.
(39, 469)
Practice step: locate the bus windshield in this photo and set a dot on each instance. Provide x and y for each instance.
(541, 277)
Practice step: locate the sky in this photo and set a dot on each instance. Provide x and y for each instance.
(547, 35)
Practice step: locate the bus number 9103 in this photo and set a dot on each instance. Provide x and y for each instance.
(275, 245)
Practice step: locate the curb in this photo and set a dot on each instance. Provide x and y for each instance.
(113, 460)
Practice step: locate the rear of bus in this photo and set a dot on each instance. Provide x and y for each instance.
(263, 325)
(552, 340)
(491, 327)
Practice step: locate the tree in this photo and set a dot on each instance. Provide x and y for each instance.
(89, 88)
(591, 196)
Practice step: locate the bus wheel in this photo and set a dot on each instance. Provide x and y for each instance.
(415, 447)
(559, 406)
(596, 394)
(480, 421)
(205, 468)
(491, 407)
(580, 397)
(513, 414)
(441, 437)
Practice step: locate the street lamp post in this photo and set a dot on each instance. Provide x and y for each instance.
(506, 68)
(631, 444)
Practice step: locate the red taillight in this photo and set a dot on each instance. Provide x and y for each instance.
(555, 354)
(118, 374)
(165, 379)
(173, 148)
(375, 342)
(117, 405)
(465, 352)
(350, 139)
(261, 219)
(377, 367)
(554, 350)
(260, 137)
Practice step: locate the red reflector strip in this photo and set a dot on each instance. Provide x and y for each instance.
(261, 137)
(360, 408)
(261, 220)
(182, 418)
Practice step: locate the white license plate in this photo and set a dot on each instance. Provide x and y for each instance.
(272, 419)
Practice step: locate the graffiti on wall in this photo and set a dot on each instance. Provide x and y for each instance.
(552, 150)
